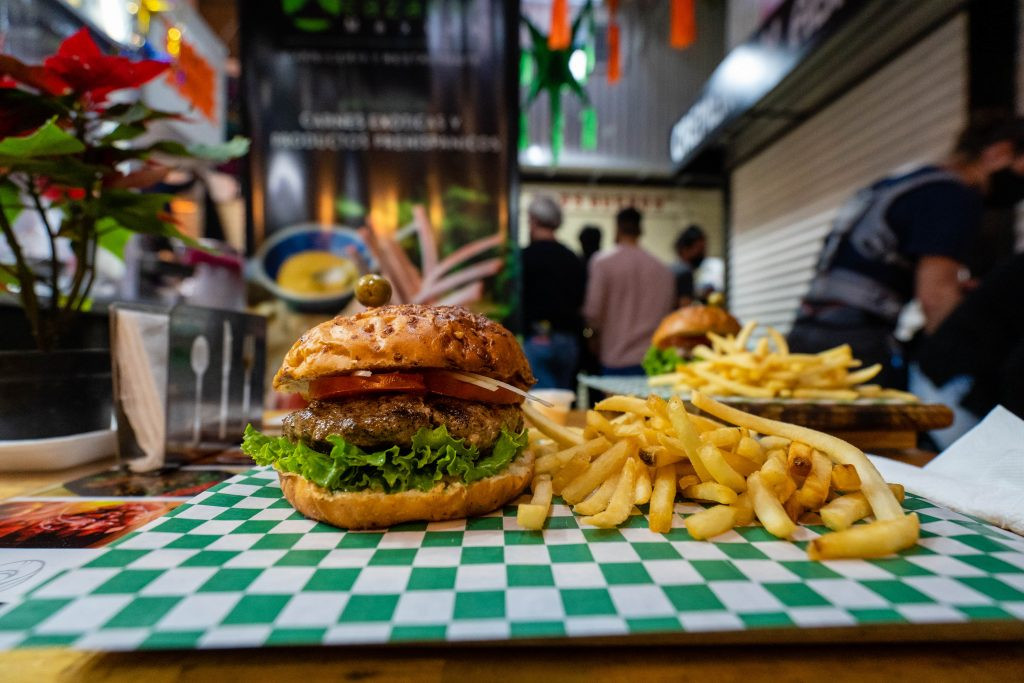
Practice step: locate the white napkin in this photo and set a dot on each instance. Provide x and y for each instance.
(981, 474)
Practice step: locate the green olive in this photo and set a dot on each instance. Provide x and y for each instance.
(373, 290)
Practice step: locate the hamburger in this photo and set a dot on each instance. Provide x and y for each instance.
(681, 331)
(414, 413)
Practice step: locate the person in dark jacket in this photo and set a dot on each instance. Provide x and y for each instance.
(903, 237)
(553, 282)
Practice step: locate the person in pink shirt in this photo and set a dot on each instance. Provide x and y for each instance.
(628, 293)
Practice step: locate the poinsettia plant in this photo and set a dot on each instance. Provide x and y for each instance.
(71, 153)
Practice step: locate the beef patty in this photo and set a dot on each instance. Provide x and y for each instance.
(392, 419)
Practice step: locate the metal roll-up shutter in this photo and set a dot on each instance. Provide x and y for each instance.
(784, 199)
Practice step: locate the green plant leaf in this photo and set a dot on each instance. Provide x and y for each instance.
(136, 112)
(10, 200)
(232, 149)
(332, 7)
(63, 170)
(125, 131)
(47, 140)
(112, 236)
(292, 6)
(139, 212)
(7, 278)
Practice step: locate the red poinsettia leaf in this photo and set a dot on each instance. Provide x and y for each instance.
(145, 71)
(94, 75)
(79, 45)
(15, 72)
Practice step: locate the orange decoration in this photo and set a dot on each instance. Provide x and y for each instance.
(614, 70)
(683, 24)
(196, 81)
(560, 35)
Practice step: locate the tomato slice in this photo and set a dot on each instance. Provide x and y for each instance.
(440, 382)
(347, 385)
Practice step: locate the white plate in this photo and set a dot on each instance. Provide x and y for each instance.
(56, 453)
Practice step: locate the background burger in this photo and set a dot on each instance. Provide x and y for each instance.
(681, 331)
(414, 414)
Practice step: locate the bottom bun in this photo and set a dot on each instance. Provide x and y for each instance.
(374, 510)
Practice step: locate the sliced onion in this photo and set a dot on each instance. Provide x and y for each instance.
(493, 385)
(362, 373)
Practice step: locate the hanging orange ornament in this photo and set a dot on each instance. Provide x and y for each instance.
(682, 23)
(561, 35)
(614, 67)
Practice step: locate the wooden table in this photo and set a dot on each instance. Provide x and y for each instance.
(976, 657)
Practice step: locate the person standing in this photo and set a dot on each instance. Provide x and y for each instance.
(553, 281)
(691, 248)
(628, 293)
(901, 238)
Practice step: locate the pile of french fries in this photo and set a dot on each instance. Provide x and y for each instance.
(747, 467)
(769, 370)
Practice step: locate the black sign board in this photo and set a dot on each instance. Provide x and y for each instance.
(388, 114)
(753, 69)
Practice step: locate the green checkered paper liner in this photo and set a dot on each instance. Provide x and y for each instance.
(237, 567)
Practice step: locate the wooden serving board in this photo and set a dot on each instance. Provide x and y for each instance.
(916, 417)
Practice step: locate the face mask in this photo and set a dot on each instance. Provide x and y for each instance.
(1005, 189)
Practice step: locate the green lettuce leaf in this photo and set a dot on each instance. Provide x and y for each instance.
(660, 361)
(434, 456)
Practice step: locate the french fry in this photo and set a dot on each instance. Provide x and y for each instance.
(743, 466)
(769, 443)
(775, 474)
(815, 488)
(599, 425)
(663, 497)
(687, 436)
(688, 480)
(555, 461)
(734, 387)
(603, 467)
(532, 515)
(841, 512)
(621, 502)
(744, 509)
(794, 508)
(781, 347)
(659, 456)
(798, 461)
(750, 449)
(572, 469)
(658, 407)
(725, 437)
(710, 522)
(711, 491)
(644, 486)
(863, 375)
(768, 508)
(883, 503)
(875, 539)
(720, 469)
(559, 433)
(845, 478)
(598, 500)
(624, 404)
(704, 424)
